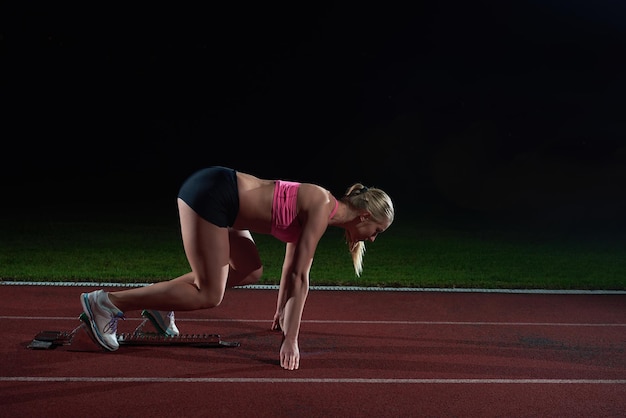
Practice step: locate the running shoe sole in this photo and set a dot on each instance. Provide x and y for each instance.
(87, 327)
(156, 323)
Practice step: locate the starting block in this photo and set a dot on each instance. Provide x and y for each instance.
(52, 339)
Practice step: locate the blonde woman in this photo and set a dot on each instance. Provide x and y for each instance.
(219, 207)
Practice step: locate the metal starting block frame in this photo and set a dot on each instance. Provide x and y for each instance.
(53, 339)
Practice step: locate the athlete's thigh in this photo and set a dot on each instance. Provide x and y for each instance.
(207, 249)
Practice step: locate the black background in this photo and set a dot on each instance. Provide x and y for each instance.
(490, 108)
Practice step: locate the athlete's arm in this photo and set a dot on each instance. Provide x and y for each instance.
(280, 303)
(295, 284)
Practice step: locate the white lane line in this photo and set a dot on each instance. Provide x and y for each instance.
(344, 288)
(321, 321)
(310, 380)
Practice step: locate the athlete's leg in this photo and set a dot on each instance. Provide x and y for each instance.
(207, 249)
(245, 262)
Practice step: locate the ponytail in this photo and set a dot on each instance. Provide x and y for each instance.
(376, 202)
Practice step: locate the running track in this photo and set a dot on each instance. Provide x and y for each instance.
(364, 353)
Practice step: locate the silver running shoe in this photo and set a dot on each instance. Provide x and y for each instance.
(103, 317)
(163, 321)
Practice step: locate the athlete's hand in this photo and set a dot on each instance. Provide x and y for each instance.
(289, 354)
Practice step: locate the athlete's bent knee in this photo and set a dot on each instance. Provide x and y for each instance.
(256, 275)
(253, 277)
(239, 278)
(211, 299)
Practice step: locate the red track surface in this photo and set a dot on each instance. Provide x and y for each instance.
(373, 354)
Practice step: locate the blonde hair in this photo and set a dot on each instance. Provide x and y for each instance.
(378, 204)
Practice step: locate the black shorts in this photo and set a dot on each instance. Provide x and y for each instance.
(213, 194)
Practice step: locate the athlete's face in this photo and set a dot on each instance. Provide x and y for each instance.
(367, 229)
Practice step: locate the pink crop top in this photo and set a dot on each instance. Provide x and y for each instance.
(285, 225)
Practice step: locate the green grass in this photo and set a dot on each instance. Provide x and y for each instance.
(407, 255)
